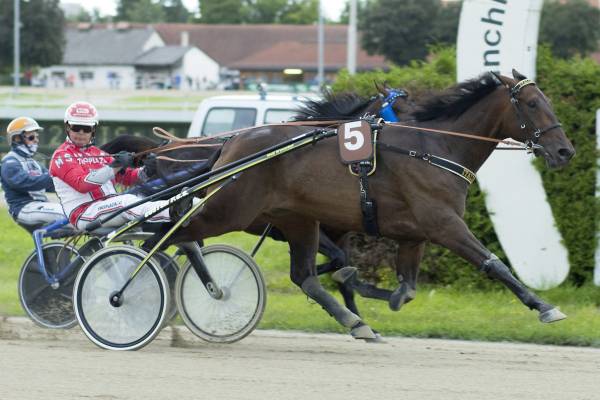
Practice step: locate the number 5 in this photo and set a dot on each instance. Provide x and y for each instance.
(349, 134)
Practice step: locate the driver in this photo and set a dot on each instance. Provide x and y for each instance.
(84, 175)
(24, 180)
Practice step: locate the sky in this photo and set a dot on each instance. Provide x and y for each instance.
(331, 8)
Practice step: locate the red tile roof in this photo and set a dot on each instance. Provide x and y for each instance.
(268, 46)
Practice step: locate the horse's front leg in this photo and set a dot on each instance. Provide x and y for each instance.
(408, 259)
(456, 236)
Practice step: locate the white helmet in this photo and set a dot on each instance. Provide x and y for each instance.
(81, 113)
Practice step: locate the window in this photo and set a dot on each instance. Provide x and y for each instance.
(86, 75)
(227, 119)
(276, 116)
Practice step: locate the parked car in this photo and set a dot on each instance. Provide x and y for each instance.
(225, 113)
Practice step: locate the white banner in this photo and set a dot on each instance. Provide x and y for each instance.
(499, 35)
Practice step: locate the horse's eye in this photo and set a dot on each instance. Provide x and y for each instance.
(532, 103)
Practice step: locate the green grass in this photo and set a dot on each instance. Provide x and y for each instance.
(443, 312)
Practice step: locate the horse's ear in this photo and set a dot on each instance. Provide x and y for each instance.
(381, 88)
(517, 75)
(501, 79)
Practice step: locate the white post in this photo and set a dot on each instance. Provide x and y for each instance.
(320, 40)
(17, 50)
(597, 258)
(351, 61)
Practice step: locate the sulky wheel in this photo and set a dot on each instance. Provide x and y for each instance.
(129, 321)
(49, 305)
(237, 312)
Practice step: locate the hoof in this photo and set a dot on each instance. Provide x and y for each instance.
(551, 315)
(363, 331)
(343, 274)
(402, 295)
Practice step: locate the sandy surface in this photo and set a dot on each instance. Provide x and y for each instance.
(278, 365)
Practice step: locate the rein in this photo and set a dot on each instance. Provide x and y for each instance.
(521, 146)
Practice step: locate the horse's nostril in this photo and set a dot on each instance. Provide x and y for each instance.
(566, 153)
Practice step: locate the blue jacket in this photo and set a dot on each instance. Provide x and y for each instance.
(23, 180)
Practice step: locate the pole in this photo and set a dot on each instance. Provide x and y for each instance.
(320, 40)
(351, 61)
(17, 50)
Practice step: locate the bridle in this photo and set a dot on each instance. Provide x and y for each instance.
(387, 107)
(524, 120)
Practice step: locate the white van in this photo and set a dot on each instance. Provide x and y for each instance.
(225, 113)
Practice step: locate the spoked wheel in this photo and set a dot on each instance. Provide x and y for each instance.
(49, 306)
(129, 321)
(238, 311)
(170, 267)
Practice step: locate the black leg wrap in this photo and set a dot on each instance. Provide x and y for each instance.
(495, 269)
(312, 287)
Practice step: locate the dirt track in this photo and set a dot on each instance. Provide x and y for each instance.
(276, 365)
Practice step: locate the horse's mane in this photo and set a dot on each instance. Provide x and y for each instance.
(332, 106)
(129, 143)
(454, 101)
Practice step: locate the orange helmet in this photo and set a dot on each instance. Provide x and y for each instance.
(21, 125)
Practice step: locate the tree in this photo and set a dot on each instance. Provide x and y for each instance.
(259, 11)
(570, 28)
(140, 11)
(82, 16)
(41, 36)
(264, 11)
(300, 12)
(400, 30)
(221, 11)
(361, 5)
(175, 11)
(445, 27)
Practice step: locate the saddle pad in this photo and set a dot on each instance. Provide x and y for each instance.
(355, 142)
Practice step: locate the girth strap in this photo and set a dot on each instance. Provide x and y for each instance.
(368, 205)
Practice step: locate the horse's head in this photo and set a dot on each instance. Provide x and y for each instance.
(533, 122)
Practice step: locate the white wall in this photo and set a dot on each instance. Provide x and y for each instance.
(203, 70)
(103, 77)
(153, 41)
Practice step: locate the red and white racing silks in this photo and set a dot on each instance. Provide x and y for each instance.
(82, 176)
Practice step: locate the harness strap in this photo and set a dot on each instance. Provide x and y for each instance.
(440, 162)
(368, 205)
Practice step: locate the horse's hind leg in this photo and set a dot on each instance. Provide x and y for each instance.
(456, 237)
(302, 236)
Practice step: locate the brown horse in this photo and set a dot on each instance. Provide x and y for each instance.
(342, 106)
(417, 201)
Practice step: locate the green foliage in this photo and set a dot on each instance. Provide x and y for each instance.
(221, 11)
(401, 30)
(570, 27)
(259, 11)
(573, 86)
(301, 12)
(41, 34)
(175, 11)
(152, 11)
